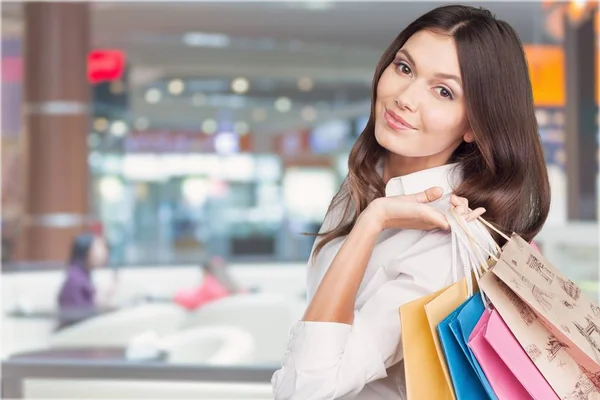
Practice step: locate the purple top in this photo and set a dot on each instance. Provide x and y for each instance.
(76, 297)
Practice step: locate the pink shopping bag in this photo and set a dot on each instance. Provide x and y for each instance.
(511, 373)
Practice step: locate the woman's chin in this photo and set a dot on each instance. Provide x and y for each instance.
(390, 141)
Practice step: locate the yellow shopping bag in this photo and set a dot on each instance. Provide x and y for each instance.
(426, 371)
(427, 375)
(423, 370)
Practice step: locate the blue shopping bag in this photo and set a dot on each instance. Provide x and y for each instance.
(468, 378)
(462, 328)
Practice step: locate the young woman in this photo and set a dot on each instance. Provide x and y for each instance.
(217, 282)
(452, 112)
(77, 298)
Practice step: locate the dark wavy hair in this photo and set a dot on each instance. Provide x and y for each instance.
(504, 168)
(80, 250)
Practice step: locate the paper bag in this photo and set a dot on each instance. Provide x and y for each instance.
(567, 313)
(568, 379)
(424, 373)
(508, 368)
(462, 327)
(465, 379)
(437, 310)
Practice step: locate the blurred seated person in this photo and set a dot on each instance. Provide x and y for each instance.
(77, 299)
(216, 284)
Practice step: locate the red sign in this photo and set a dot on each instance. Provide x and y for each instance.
(105, 65)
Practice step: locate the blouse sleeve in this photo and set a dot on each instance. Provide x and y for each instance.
(327, 360)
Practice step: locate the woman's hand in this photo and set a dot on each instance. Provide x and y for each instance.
(414, 212)
(462, 207)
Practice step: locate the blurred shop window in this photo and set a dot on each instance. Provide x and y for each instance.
(330, 136)
(323, 186)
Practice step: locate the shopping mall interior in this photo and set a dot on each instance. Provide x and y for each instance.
(187, 134)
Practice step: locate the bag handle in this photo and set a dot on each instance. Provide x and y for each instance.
(472, 259)
(492, 227)
(478, 264)
(465, 228)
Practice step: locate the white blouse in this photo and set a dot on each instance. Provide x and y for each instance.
(330, 360)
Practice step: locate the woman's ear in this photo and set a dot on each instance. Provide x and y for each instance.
(469, 137)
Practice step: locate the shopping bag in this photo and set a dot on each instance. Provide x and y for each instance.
(544, 310)
(568, 379)
(548, 315)
(439, 308)
(572, 318)
(499, 366)
(511, 373)
(462, 327)
(468, 378)
(424, 374)
(426, 371)
(465, 380)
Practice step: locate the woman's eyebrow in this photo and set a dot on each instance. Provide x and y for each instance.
(440, 75)
(407, 54)
(448, 76)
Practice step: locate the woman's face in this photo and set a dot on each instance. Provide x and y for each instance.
(98, 256)
(420, 115)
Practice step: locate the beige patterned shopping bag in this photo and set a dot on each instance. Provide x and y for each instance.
(550, 317)
(568, 379)
(570, 316)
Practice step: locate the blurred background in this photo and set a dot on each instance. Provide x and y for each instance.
(160, 162)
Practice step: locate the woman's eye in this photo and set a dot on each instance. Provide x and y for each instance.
(445, 93)
(405, 69)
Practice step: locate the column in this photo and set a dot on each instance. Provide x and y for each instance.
(56, 108)
(580, 118)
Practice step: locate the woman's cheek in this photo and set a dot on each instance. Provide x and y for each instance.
(440, 120)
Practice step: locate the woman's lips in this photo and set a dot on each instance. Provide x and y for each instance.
(396, 122)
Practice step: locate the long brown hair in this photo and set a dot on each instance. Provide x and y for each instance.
(504, 168)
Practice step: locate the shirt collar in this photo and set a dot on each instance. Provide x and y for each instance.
(445, 176)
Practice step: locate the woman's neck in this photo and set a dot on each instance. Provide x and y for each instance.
(395, 165)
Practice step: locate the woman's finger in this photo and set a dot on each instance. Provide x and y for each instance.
(461, 204)
(427, 196)
(459, 201)
(476, 214)
(436, 218)
(438, 222)
(455, 200)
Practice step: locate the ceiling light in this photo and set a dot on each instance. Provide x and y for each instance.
(259, 114)
(241, 128)
(240, 85)
(117, 87)
(199, 100)
(227, 143)
(95, 160)
(283, 104)
(176, 87)
(309, 113)
(94, 140)
(209, 126)
(305, 84)
(111, 188)
(319, 5)
(153, 95)
(118, 128)
(100, 124)
(141, 124)
(201, 39)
